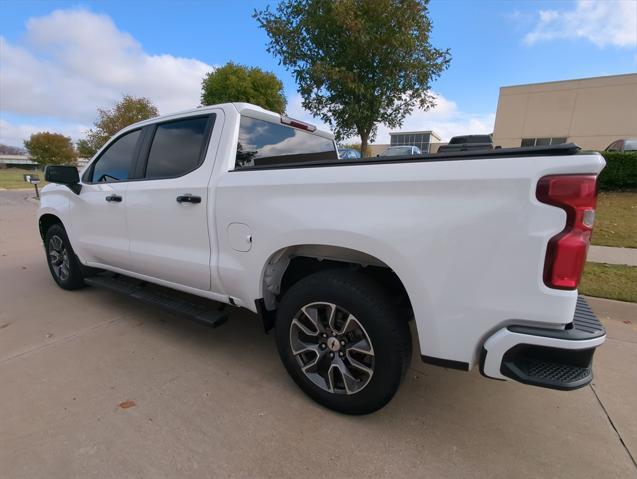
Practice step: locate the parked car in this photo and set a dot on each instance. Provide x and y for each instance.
(403, 150)
(348, 153)
(626, 144)
(237, 205)
(468, 143)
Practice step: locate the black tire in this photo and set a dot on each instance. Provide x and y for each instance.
(360, 296)
(63, 264)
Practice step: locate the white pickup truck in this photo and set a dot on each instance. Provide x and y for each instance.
(481, 251)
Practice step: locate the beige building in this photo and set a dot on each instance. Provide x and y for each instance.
(592, 112)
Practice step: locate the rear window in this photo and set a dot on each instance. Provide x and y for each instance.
(630, 145)
(262, 143)
(457, 140)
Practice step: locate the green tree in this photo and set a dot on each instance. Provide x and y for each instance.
(127, 111)
(235, 83)
(84, 148)
(357, 63)
(50, 149)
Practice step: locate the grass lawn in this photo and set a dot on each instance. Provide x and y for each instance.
(610, 281)
(616, 219)
(11, 178)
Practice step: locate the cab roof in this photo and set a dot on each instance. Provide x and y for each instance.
(246, 109)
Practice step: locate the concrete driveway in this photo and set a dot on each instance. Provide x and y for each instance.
(96, 385)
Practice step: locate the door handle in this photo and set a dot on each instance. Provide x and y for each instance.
(115, 198)
(188, 198)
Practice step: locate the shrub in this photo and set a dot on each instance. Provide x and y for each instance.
(620, 172)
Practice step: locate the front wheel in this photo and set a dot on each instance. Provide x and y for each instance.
(342, 341)
(63, 264)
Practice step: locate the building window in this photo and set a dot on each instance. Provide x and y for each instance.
(421, 140)
(542, 141)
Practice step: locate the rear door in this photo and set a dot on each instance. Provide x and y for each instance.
(99, 229)
(167, 205)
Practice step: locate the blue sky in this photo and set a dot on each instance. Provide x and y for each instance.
(62, 60)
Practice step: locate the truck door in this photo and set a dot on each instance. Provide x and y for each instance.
(167, 207)
(98, 213)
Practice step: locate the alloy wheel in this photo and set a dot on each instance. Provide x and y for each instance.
(332, 348)
(59, 258)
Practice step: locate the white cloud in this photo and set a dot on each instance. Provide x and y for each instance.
(602, 22)
(14, 135)
(72, 61)
(445, 118)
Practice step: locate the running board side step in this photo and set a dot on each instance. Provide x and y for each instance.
(173, 301)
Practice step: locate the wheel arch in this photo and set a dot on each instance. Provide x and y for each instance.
(47, 220)
(290, 264)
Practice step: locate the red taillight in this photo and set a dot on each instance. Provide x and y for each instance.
(566, 252)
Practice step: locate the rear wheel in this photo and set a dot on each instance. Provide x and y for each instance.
(342, 341)
(63, 264)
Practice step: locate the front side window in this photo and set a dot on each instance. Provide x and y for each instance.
(115, 163)
(177, 148)
(262, 143)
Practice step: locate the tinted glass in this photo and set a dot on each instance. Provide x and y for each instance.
(558, 141)
(262, 143)
(114, 164)
(528, 142)
(470, 139)
(542, 141)
(176, 148)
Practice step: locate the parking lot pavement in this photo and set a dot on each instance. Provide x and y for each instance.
(96, 385)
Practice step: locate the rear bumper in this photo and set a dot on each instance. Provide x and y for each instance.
(556, 359)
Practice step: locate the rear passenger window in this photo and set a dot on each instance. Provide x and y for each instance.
(115, 163)
(262, 143)
(178, 148)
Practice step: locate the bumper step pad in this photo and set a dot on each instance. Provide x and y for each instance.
(548, 374)
(196, 309)
(554, 367)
